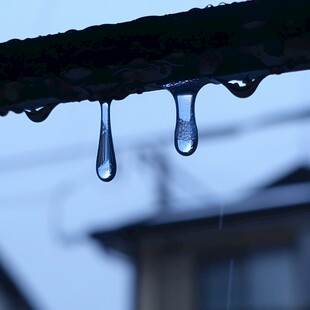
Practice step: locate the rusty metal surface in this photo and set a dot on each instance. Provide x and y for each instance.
(239, 41)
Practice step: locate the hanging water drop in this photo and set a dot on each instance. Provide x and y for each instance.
(186, 132)
(106, 162)
(244, 91)
(41, 114)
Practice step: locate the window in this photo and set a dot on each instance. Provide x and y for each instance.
(259, 281)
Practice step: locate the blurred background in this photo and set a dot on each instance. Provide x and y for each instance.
(51, 199)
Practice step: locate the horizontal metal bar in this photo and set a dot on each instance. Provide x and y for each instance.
(238, 41)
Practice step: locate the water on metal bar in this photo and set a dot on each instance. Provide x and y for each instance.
(106, 162)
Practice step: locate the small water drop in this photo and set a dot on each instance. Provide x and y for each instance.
(242, 89)
(41, 114)
(186, 132)
(106, 162)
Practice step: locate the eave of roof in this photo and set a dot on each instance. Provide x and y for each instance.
(269, 202)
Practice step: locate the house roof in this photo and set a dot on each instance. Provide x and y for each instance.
(287, 194)
(296, 176)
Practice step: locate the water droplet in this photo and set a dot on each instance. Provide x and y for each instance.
(186, 132)
(106, 162)
(242, 89)
(41, 114)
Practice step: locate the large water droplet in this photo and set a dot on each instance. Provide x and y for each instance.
(186, 132)
(106, 162)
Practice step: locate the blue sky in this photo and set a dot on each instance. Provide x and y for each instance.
(47, 206)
